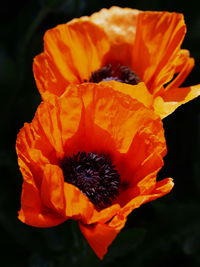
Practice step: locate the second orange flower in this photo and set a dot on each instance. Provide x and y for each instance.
(123, 45)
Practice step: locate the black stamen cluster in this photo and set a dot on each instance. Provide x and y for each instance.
(115, 72)
(94, 175)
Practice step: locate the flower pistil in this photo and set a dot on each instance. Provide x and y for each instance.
(94, 174)
(116, 72)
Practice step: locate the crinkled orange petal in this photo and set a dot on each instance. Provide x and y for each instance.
(162, 188)
(182, 57)
(184, 72)
(99, 237)
(152, 163)
(28, 167)
(52, 189)
(116, 116)
(140, 183)
(120, 26)
(77, 204)
(104, 215)
(30, 159)
(32, 212)
(139, 91)
(174, 98)
(89, 136)
(157, 43)
(39, 141)
(144, 186)
(118, 23)
(71, 52)
(58, 122)
(119, 54)
(145, 153)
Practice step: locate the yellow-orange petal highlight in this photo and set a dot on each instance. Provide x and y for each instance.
(175, 97)
(139, 91)
(120, 24)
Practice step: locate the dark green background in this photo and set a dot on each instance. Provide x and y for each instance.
(162, 233)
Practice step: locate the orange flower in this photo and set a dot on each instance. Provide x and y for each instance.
(121, 44)
(91, 155)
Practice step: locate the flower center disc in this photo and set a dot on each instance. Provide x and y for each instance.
(118, 73)
(94, 175)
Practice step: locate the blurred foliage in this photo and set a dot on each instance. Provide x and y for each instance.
(162, 233)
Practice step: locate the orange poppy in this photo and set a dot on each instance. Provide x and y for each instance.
(91, 155)
(124, 45)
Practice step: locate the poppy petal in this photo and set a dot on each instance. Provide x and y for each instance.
(117, 115)
(71, 53)
(138, 91)
(145, 185)
(30, 159)
(147, 149)
(52, 189)
(77, 204)
(162, 188)
(174, 98)
(184, 72)
(182, 57)
(58, 122)
(157, 43)
(113, 117)
(32, 211)
(118, 23)
(104, 215)
(99, 237)
(80, 208)
(147, 182)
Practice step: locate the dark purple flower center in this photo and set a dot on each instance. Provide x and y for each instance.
(94, 174)
(115, 72)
